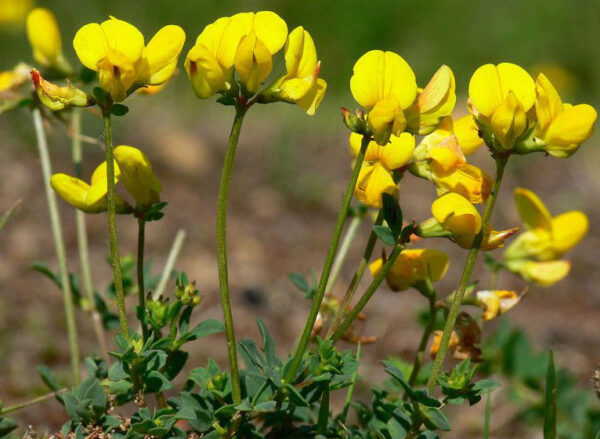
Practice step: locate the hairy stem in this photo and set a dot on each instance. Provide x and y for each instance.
(466, 276)
(358, 274)
(82, 241)
(320, 293)
(140, 277)
(414, 373)
(222, 249)
(59, 244)
(368, 294)
(115, 261)
(22, 405)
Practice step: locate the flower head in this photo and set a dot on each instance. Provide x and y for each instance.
(496, 302)
(561, 128)
(44, 37)
(500, 97)
(301, 84)
(376, 174)
(89, 198)
(57, 98)
(545, 240)
(115, 49)
(440, 159)
(137, 175)
(456, 216)
(412, 267)
(13, 12)
(246, 41)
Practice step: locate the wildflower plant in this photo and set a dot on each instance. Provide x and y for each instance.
(397, 130)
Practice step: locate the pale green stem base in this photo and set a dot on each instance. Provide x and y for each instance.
(140, 277)
(222, 251)
(343, 252)
(358, 275)
(168, 268)
(368, 293)
(22, 405)
(466, 277)
(58, 243)
(82, 242)
(115, 260)
(320, 293)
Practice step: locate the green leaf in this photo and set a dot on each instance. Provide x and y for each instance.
(204, 329)
(157, 382)
(48, 378)
(226, 100)
(423, 397)
(7, 214)
(485, 386)
(550, 400)
(6, 426)
(392, 214)
(435, 419)
(300, 281)
(119, 110)
(100, 95)
(385, 234)
(268, 344)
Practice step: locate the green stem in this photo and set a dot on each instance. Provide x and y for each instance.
(360, 271)
(168, 268)
(320, 293)
(343, 252)
(466, 276)
(140, 277)
(59, 243)
(368, 294)
(348, 400)
(222, 249)
(424, 340)
(115, 261)
(323, 412)
(82, 242)
(15, 407)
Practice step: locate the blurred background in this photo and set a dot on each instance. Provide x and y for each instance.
(290, 173)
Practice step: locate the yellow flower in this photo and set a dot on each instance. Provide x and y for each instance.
(458, 216)
(439, 158)
(500, 97)
(13, 79)
(247, 41)
(412, 267)
(55, 97)
(433, 103)
(14, 11)
(547, 239)
(301, 84)
(466, 131)
(376, 176)
(384, 85)
(561, 128)
(137, 175)
(85, 197)
(116, 50)
(44, 37)
(496, 302)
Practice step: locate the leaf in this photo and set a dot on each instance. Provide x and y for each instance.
(435, 419)
(7, 214)
(226, 100)
(48, 378)
(385, 234)
(550, 400)
(485, 386)
(300, 281)
(395, 373)
(392, 214)
(157, 382)
(204, 329)
(6, 426)
(119, 110)
(100, 95)
(268, 344)
(423, 397)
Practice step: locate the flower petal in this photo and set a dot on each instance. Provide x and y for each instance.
(124, 38)
(532, 210)
(91, 45)
(162, 51)
(485, 90)
(467, 133)
(567, 230)
(570, 129)
(398, 152)
(44, 36)
(271, 29)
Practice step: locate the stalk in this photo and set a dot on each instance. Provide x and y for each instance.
(140, 277)
(22, 405)
(360, 271)
(82, 242)
(466, 276)
(59, 244)
(320, 293)
(368, 294)
(344, 249)
(115, 261)
(168, 268)
(414, 373)
(240, 112)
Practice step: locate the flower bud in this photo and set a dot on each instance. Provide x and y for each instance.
(44, 37)
(354, 122)
(58, 98)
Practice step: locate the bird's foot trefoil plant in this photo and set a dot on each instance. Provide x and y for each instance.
(140, 382)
